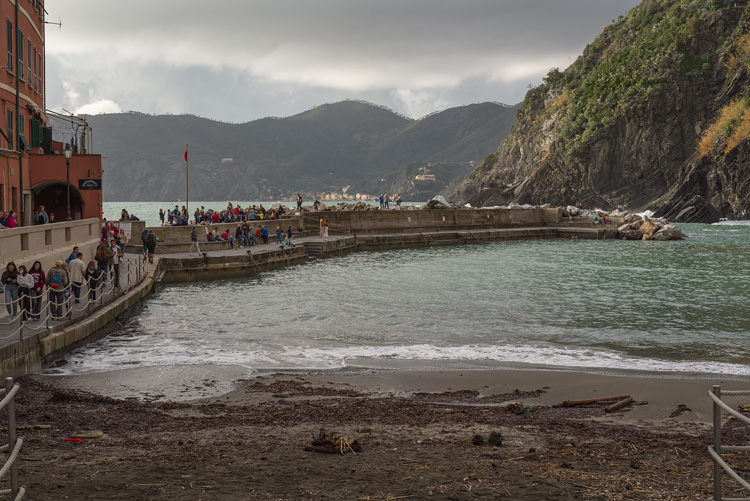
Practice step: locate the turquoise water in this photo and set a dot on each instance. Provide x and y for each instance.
(593, 305)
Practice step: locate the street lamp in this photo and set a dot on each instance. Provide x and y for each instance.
(67, 152)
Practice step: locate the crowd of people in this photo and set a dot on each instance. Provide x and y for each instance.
(232, 214)
(242, 236)
(10, 219)
(385, 201)
(24, 288)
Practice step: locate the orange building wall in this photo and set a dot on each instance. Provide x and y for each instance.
(44, 176)
(48, 172)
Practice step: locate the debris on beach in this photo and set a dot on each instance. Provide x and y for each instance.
(332, 443)
(619, 405)
(519, 408)
(495, 439)
(575, 403)
(620, 402)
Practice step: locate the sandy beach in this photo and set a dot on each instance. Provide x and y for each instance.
(421, 434)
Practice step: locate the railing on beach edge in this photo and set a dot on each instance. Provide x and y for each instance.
(13, 447)
(717, 449)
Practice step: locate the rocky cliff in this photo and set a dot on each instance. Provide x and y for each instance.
(655, 114)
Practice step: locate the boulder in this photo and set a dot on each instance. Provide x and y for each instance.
(648, 228)
(438, 202)
(624, 227)
(632, 218)
(669, 232)
(630, 234)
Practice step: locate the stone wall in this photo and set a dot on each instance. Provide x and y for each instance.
(175, 234)
(396, 221)
(48, 242)
(177, 270)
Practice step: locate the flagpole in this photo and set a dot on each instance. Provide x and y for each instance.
(187, 193)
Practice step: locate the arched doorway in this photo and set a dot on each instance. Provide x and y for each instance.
(52, 195)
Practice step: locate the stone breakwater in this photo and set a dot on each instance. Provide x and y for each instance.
(648, 229)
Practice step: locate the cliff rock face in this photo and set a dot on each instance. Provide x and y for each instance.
(651, 116)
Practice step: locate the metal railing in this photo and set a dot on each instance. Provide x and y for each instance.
(717, 449)
(14, 443)
(134, 274)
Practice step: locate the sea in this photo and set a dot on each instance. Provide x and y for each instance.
(664, 308)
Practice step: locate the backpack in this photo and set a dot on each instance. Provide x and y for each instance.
(144, 235)
(56, 279)
(150, 239)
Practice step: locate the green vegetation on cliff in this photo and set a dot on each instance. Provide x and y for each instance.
(658, 90)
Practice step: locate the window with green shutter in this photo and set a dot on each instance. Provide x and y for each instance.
(36, 133)
(10, 44)
(19, 47)
(10, 130)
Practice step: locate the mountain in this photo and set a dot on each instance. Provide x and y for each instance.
(320, 150)
(653, 115)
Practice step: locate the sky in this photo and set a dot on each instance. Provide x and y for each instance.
(240, 60)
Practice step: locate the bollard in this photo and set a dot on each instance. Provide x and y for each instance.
(717, 443)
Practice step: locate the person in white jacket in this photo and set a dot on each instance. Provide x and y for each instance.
(77, 270)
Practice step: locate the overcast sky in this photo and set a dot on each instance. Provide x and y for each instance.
(239, 60)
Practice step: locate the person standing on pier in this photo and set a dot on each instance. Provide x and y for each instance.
(36, 292)
(101, 257)
(151, 245)
(25, 283)
(57, 281)
(10, 282)
(92, 277)
(114, 262)
(77, 268)
(41, 216)
(299, 202)
(322, 226)
(161, 216)
(194, 242)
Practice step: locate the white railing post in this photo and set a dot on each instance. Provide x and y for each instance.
(717, 443)
(12, 436)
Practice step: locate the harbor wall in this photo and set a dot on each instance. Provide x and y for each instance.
(397, 221)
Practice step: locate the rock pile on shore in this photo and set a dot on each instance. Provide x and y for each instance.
(644, 228)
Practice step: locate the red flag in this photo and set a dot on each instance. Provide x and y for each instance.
(185, 155)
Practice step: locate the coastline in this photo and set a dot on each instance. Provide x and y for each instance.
(424, 434)
(660, 393)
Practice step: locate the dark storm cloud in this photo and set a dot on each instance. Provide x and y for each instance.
(237, 61)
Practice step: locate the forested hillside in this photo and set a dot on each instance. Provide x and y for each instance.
(323, 149)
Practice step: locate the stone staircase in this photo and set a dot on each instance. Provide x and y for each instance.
(313, 249)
